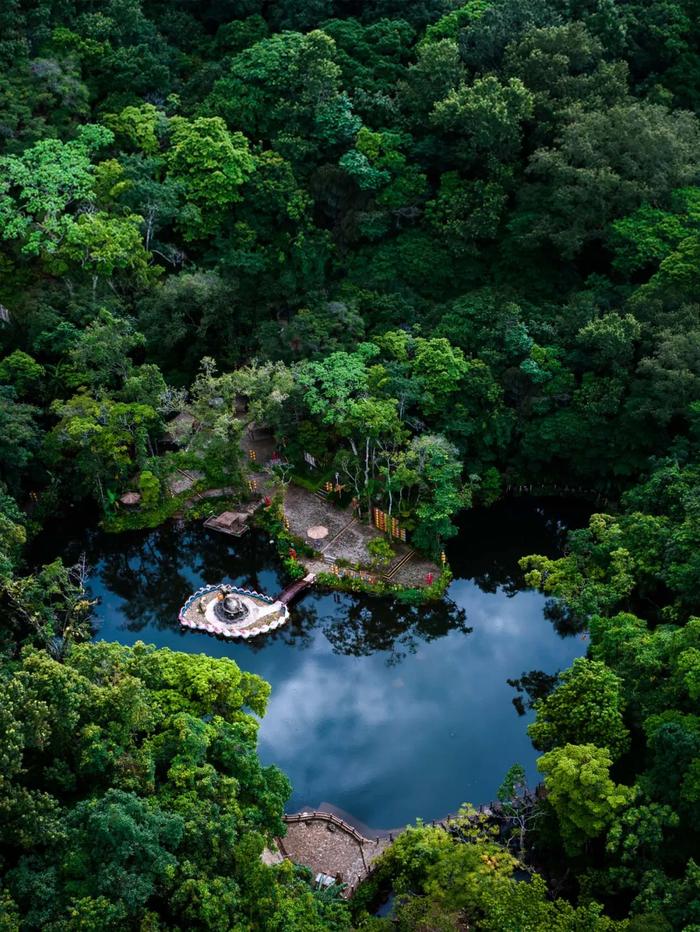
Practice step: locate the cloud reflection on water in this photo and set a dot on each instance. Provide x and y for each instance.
(344, 732)
(387, 710)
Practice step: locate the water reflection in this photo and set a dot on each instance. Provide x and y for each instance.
(492, 540)
(361, 628)
(387, 710)
(154, 573)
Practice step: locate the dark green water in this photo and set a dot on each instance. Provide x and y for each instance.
(384, 710)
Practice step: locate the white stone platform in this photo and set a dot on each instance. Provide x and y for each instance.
(264, 613)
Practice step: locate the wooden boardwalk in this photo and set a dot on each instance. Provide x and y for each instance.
(293, 590)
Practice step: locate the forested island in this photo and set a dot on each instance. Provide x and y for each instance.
(437, 253)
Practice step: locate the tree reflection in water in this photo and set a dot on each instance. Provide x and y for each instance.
(154, 573)
(343, 722)
(365, 626)
(492, 540)
(150, 574)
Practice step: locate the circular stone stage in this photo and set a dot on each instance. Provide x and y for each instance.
(231, 612)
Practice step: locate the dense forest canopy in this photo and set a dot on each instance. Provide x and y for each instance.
(441, 249)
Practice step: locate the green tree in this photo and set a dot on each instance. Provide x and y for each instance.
(12, 536)
(606, 165)
(649, 235)
(586, 707)
(118, 848)
(639, 833)
(437, 72)
(381, 551)
(149, 486)
(486, 117)
(132, 793)
(104, 440)
(443, 883)
(439, 369)
(211, 164)
(580, 791)
(287, 88)
(441, 493)
(40, 189)
(19, 436)
(50, 607)
(595, 578)
(102, 354)
(22, 372)
(609, 341)
(141, 126)
(565, 66)
(104, 245)
(191, 315)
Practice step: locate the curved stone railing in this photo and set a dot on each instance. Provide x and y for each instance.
(328, 817)
(374, 847)
(205, 590)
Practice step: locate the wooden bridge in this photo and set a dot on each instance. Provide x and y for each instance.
(293, 590)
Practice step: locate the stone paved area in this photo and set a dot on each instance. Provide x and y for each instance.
(348, 538)
(304, 510)
(182, 481)
(352, 544)
(415, 571)
(328, 848)
(261, 442)
(271, 857)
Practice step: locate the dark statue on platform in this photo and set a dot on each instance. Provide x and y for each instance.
(230, 608)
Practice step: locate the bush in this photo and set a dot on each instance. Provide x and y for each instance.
(381, 551)
(149, 486)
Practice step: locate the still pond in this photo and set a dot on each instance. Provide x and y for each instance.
(384, 710)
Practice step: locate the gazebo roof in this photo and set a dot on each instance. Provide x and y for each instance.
(228, 518)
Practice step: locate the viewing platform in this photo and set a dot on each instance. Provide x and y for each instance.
(330, 846)
(232, 612)
(234, 523)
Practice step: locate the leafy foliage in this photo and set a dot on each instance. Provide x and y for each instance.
(132, 790)
(441, 251)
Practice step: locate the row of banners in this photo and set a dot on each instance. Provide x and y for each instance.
(384, 522)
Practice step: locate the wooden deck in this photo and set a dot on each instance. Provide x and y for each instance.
(233, 523)
(295, 589)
